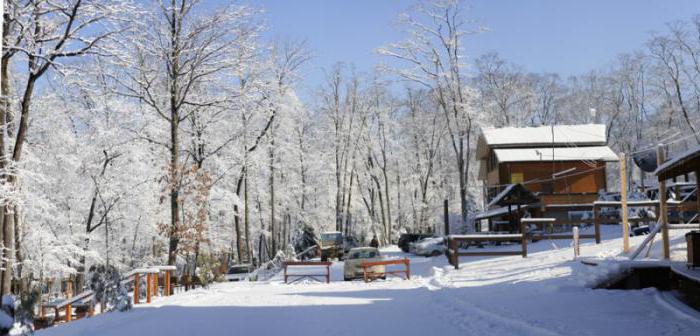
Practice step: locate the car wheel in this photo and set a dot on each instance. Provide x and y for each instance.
(347, 279)
(435, 253)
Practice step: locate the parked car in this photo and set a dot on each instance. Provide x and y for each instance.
(331, 245)
(429, 247)
(356, 257)
(406, 238)
(238, 272)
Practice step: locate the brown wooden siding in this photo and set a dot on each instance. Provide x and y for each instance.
(584, 179)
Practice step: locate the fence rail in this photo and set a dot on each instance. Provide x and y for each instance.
(369, 275)
(314, 276)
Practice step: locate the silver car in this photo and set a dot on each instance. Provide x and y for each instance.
(429, 247)
(238, 272)
(358, 255)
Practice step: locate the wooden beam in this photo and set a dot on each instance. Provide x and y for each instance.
(149, 287)
(663, 207)
(490, 253)
(523, 232)
(623, 200)
(596, 222)
(452, 252)
(136, 288)
(697, 190)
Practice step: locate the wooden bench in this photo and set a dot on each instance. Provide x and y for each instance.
(84, 299)
(453, 241)
(370, 275)
(314, 276)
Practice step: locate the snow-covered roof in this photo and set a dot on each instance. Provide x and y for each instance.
(682, 163)
(495, 212)
(595, 153)
(557, 136)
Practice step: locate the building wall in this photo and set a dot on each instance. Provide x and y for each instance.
(584, 181)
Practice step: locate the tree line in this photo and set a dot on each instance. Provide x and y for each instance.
(170, 131)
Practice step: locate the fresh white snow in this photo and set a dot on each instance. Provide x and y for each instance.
(594, 153)
(546, 293)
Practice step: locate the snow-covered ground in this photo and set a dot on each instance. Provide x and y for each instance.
(544, 294)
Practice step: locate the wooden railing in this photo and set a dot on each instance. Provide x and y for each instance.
(370, 275)
(84, 298)
(314, 276)
(543, 223)
(453, 243)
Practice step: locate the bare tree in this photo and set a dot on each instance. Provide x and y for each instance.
(174, 53)
(434, 54)
(43, 34)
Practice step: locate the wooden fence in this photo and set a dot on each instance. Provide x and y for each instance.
(454, 242)
(370, 275)
(314, 276)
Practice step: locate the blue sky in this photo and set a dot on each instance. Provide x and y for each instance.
(563, 36)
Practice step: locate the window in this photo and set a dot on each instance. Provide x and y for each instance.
(517, 178)
(364, 254)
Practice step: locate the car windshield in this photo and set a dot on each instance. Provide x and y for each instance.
(238, 270)
(364, 254)
(334, 236)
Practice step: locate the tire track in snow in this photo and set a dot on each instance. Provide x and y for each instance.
(472, 318)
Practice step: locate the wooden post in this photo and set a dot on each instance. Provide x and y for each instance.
(697, 193)
(577, 250)
(69, 308)
(149, 286)
(285, 273)
(408, 269)
(156, 283)
(447, 219)
(167, 283)
(136, 288)
(623, 201)
(596, 222)
(523, 241)
(453, 257)
(328, 274)
(663, 207)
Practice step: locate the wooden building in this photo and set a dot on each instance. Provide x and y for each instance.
(563, 164)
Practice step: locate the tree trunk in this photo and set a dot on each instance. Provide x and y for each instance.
(273, 227)
(174, 193)
(246, 218)
(8, 236)
(175, 21)
(237, 226)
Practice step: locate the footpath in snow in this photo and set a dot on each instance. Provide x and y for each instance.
(544, 294)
